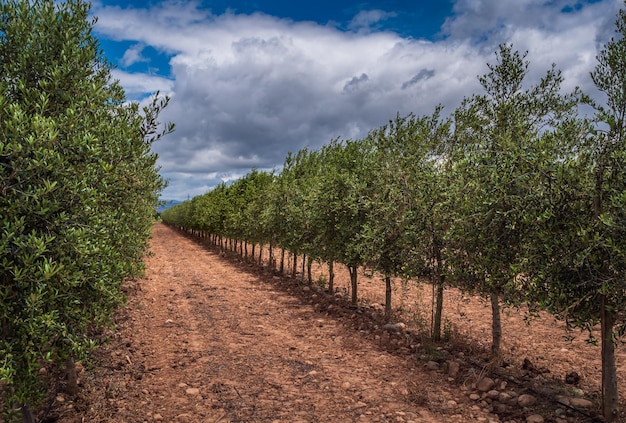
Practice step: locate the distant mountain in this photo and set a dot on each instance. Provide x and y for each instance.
(168, 204)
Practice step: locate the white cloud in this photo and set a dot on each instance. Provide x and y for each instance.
(139, 85)
(133, 55)
(249, 88)
(365, 21)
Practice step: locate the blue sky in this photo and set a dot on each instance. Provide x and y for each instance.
(250, 81)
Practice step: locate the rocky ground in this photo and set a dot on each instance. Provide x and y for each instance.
(211, 338)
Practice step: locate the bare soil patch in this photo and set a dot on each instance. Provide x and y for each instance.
(208, 338)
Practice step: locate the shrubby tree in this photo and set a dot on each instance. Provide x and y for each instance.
(428, 181)
(215, 204)
(274, 215)
(579, 256)
(258, 198)
(496, 157)
(384, 238)
(297, 179)
(328, 215)
(235, 215)
(404, 231)
(78, 192)
(345, 185)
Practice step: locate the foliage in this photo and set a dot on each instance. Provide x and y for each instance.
(497, 152)
(404, 232)
(296, 181)
(579, 260)
(78, 190)
(344, 184)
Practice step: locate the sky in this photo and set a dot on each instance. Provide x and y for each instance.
(252, 80)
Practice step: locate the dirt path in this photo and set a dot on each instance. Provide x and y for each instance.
(206, 340)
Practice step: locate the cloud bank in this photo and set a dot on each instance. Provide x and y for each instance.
(248, 88)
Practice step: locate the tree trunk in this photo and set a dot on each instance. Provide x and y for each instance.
(72, 377)
(496, 324)
(610, 397)
(309, 264)
(438, 310)
(331, 277)
(260, 254)
(253, 251)
(27, 415)
(303, 264)
(282, 261)
(439, 277)
(295, 264)
(353, 282)
(387, 297)
(271, 262)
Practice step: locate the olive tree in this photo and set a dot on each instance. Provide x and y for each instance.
(497, 152)
(344, 184)
(403, 235)
(578, 260)
(78, 192)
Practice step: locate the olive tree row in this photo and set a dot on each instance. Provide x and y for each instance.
(78, 190)
(516, 197)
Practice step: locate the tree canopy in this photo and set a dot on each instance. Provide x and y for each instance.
(78, 188)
